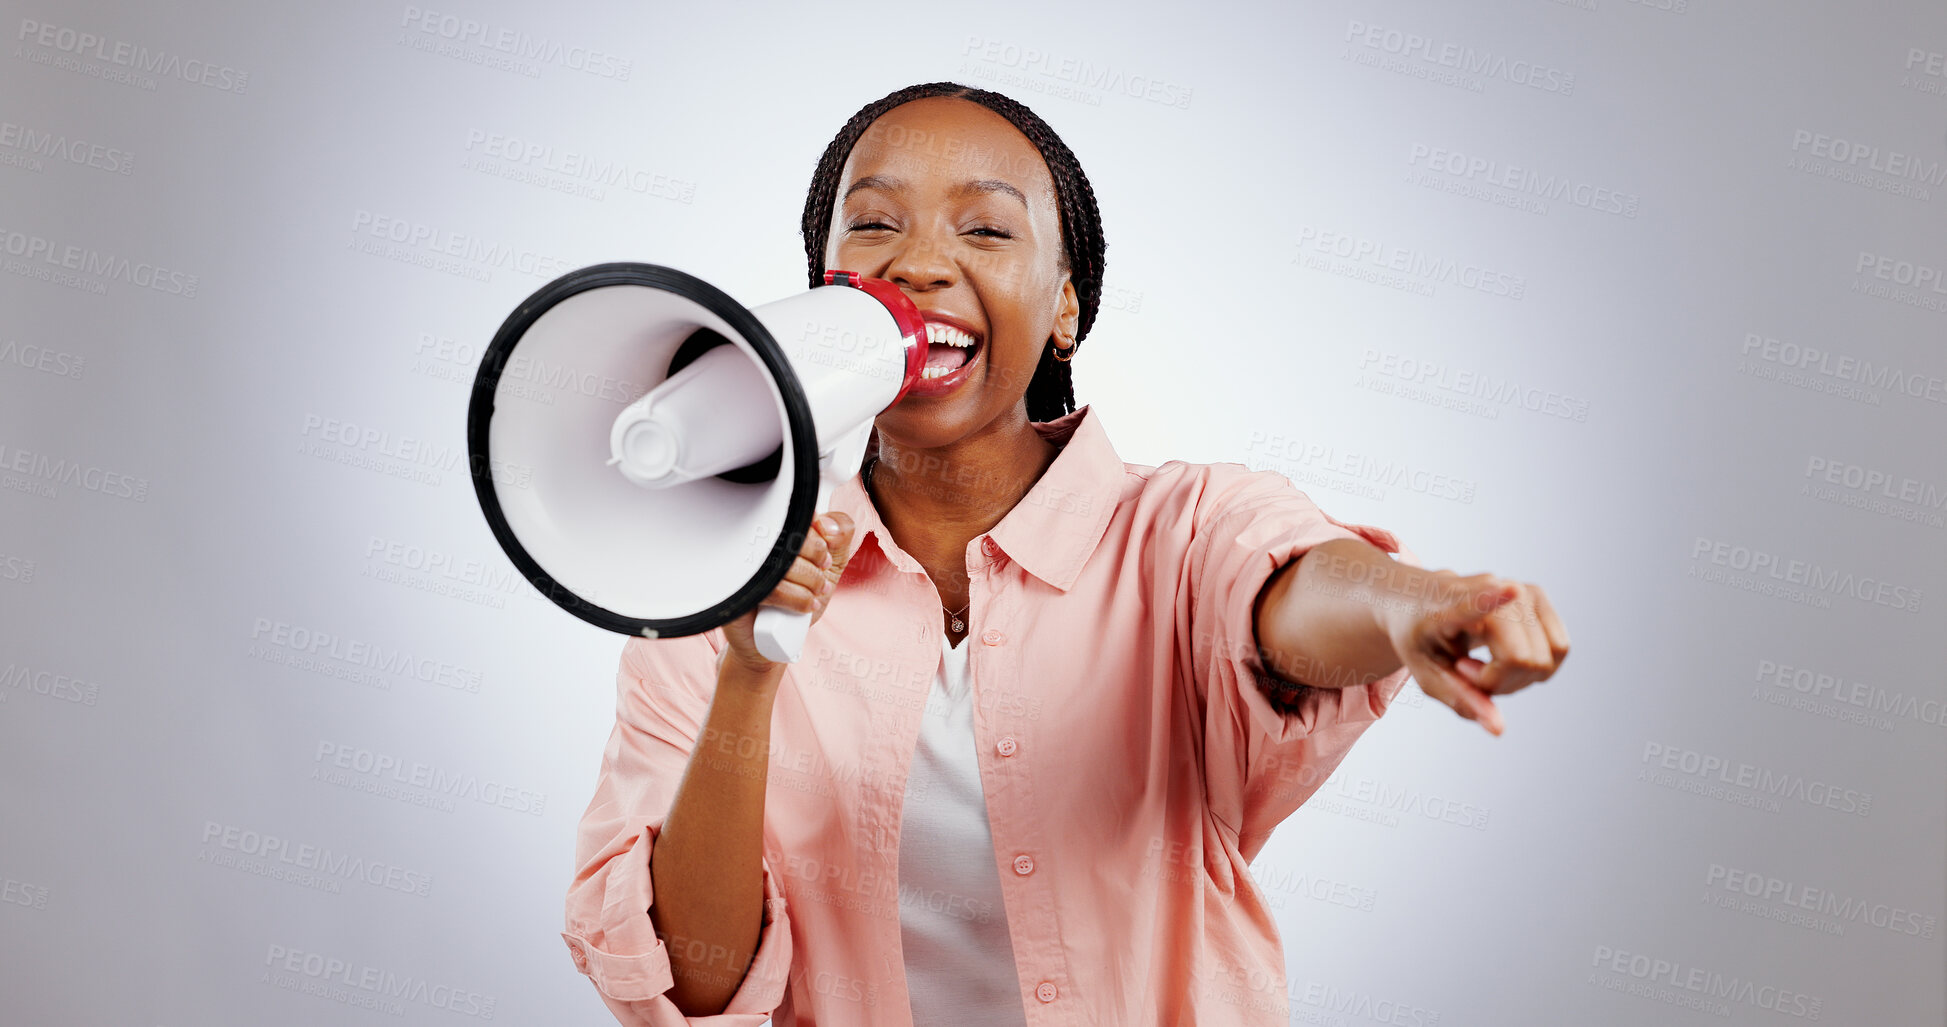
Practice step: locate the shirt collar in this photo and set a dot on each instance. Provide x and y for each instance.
(1054, 528)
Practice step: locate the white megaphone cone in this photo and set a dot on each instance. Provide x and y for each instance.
(650, 453)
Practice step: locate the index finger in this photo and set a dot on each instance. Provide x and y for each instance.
(1551, 625)
(1454, 691)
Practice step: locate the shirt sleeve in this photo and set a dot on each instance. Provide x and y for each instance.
(661, 700)
(1268, 746)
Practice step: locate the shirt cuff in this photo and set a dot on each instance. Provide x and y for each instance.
(630, 966)
(1285, 711)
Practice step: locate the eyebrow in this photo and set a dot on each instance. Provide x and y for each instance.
(889, 184)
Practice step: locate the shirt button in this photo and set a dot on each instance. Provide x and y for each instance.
(1024, 865)
(989, 546)
(1045, 991)
(991, 637)
(1006, 746)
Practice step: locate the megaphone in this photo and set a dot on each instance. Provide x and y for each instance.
(650, 453)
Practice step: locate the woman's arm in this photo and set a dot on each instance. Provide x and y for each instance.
(663, 695)
(1345, 613)
(707, 866)
(707, 869)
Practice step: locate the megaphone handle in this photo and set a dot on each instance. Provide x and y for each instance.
(780, 634)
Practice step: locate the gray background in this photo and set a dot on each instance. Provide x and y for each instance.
(246, 591)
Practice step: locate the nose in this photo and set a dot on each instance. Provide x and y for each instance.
(922, 263)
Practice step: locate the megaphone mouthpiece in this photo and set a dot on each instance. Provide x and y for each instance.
(678, 432)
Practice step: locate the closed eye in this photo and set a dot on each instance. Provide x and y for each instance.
(869, 226)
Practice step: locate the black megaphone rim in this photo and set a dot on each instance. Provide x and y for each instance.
(798, 423)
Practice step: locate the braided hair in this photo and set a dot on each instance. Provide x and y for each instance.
(1051, 392)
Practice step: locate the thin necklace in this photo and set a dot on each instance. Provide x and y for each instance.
(958, 624)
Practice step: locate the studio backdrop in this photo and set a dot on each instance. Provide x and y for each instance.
(1641, 300)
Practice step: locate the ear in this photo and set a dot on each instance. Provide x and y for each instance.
(1068, 314)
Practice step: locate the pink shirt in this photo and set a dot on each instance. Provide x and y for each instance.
(1131, 763)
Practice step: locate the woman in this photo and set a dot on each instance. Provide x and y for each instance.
(1052, 704)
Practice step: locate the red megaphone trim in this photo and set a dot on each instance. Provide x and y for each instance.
(912, 327)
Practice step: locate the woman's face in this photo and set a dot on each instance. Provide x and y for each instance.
(949, 201)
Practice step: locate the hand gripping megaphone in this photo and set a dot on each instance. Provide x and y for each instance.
(650, 453)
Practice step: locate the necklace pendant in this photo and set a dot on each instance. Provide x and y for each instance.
(957, 626)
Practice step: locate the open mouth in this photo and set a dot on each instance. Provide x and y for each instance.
(948, 349)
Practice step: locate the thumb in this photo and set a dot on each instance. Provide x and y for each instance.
(838, 540)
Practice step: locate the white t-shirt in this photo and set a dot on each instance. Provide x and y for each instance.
(952, 925)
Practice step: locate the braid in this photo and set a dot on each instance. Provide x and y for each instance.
(1051, 392)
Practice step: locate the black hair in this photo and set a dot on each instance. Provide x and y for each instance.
(1051, 392)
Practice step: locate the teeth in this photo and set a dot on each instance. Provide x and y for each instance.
(935, 372)
(947, 335)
